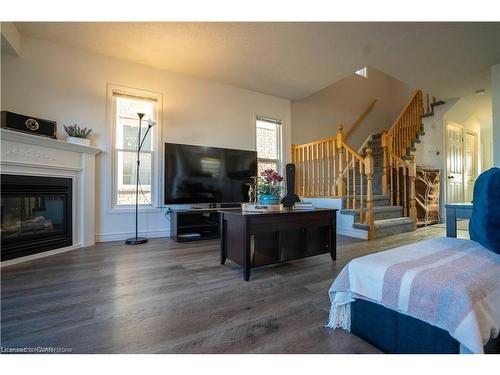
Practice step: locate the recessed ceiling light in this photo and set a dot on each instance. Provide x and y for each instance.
(479, 92)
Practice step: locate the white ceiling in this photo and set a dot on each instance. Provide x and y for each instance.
(294, 60)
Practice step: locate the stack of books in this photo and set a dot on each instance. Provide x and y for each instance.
(261, 207)
(303, 206)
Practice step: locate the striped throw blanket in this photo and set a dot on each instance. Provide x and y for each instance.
(450, 283)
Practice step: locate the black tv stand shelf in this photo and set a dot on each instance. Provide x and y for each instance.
(195, 224)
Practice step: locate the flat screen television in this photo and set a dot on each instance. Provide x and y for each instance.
(199, 174)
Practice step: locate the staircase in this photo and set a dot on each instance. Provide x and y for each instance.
(388, 219)
(377, 187)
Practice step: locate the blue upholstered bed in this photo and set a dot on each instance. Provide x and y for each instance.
(436, 296)
(397, 333)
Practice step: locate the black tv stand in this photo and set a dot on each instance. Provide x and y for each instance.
(196, 224)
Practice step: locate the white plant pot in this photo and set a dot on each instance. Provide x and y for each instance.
(78, 141)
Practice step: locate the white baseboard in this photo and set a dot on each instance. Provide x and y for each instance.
(121, 236)
(351, 232)
(27, 258)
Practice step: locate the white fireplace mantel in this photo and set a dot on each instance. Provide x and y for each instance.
(26, 154)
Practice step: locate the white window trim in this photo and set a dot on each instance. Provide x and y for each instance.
(157, 155)
(280, 139)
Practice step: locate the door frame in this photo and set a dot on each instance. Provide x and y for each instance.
(476, 159)
(476, 155)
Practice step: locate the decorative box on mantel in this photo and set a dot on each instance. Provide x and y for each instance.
(31, 155)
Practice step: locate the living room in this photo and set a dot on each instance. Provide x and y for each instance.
(209, 187)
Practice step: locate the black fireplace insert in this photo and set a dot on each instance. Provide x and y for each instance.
(36, 214)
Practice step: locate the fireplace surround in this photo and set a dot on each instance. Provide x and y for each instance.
(36, 214)
(65, 210)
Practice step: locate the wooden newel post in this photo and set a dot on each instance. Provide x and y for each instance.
(340, 149)
(385, 162)
(369, 193)
(412, 172)
(420, 111)
(292, 153)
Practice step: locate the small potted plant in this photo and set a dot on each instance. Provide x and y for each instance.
(77, 135)
(270, 187)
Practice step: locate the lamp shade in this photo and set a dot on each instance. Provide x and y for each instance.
(151, 123)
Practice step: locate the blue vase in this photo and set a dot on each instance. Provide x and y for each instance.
(269, 199)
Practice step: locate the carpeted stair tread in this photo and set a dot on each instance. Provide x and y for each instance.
(392, 222)
(376, 209)
(374, 196)
(386, 223)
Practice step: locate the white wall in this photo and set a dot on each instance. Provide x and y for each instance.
(68, 85)
(486, 144)
(318, 115)
(432, 151)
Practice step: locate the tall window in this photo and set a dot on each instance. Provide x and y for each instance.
(268, 143)
(125, 134)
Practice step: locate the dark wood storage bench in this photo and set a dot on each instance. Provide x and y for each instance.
(253, 239)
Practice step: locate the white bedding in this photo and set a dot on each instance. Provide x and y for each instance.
(447, 282)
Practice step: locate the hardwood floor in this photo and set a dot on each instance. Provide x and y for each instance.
(166, 297)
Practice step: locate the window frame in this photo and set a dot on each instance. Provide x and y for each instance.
(279, 140)
(156, 154)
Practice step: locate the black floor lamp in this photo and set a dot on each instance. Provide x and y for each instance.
(139, 240)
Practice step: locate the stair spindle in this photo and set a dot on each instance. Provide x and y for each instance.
(384, 142)
(405, 206)
(369, 193)
(340, 141)
(353, 183)
(348, 191)
(413, 209)
(361, 208)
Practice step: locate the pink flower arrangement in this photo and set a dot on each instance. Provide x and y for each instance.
(270, 182)
(270, 175)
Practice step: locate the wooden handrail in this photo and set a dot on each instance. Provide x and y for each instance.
(399, 160)
(403, 132)
(324, 140)
(354, 153)
(415, 94)
(361, 118)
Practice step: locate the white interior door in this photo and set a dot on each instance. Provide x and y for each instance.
(470, 164)
(454, 164)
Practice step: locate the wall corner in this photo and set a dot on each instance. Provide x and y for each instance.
(11, 39)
